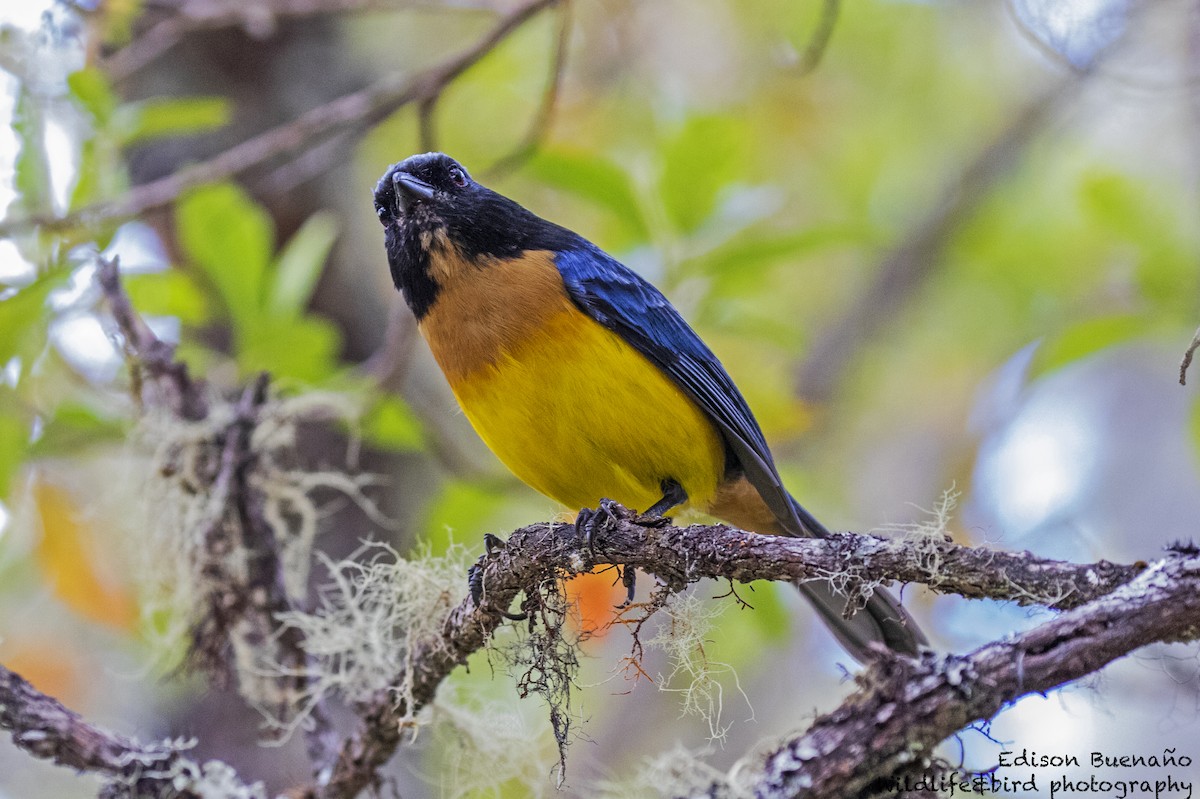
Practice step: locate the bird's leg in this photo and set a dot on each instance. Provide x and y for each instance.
(491, 545)
(673, 496)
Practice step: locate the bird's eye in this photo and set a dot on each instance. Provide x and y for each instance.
(458, 177)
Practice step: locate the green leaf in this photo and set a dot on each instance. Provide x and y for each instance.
(1119, 204)
(230, 237)
(701, 160)
(392, 425)
(74, 427)
(300, 265)
(117, 21)
(1086, 338)
(462, 505)
(32, 169)
(593, 178)
(87, 178)
(169, 116)
(24, 315)
(168, 293)
(303, 349)
(770, 613)
(90, 87)
(739, 263)
(1161, 240)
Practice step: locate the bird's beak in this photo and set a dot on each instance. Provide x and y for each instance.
(410, 190)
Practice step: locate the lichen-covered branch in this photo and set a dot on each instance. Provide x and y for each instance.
(238, 569)
(681, 555)
(909, 705)
(43, 727)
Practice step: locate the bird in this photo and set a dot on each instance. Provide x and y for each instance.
(584, 380)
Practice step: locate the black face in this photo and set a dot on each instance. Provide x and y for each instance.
(428, 202)
(421, 189)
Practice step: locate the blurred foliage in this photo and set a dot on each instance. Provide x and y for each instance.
(761, 199)
(68, 558)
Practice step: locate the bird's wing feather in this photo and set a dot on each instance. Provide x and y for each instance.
(618, 298)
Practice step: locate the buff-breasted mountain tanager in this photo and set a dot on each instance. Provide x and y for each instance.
(581, 376)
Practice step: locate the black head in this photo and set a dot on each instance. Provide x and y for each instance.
(431, 207)
(420, 187)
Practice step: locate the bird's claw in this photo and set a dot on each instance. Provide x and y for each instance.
(589, 523)
(491, 545)
(629, 580)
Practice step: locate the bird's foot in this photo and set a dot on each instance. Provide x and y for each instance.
(590, 523)
(491, 545)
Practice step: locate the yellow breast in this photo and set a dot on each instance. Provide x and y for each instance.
(565, 403)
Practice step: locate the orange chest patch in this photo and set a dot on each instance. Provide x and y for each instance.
(484, 310)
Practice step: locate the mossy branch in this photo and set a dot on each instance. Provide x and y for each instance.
(46, 729)
(681, 555)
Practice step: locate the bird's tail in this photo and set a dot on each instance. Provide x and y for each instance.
(881, 620)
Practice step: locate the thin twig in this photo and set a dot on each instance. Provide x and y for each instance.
(1187, 357)
(182, 395)
(818, 43)
(259, 19)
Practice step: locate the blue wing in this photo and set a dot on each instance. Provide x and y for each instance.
(618, 298)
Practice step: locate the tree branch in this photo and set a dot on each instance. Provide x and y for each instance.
(885, 731)
(46, 729)
(239, 564)
(259, 19)
(818, 43)
(1187, 357)
(353, 113)
(681, 555)
(148, 354)
(906, 268)
(544, 115)
(910, 705)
